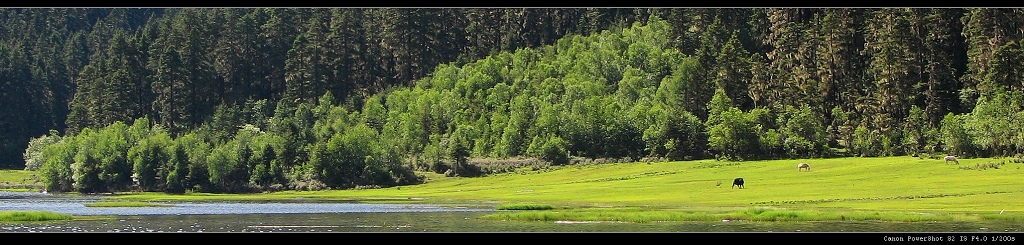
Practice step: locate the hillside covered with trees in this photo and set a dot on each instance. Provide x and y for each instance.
(238, 100)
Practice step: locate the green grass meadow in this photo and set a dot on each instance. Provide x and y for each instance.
(886, 188)
(19, 180)
(33, 216)
(126, 204)
(878, 184)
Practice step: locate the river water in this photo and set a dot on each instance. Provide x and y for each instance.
(195, 217)
(75, 205)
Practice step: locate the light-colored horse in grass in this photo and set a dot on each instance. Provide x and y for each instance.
(952, 159)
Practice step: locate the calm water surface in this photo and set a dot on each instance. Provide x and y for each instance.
(75, 205)
(353, 217)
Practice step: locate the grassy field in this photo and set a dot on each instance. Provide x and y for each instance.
(33, 216)
(126, 204)
(883, 184)
(19, 180)
(888, 188)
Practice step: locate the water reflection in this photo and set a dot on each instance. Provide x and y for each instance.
(75, 205)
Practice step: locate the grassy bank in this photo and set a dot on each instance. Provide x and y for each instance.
(640, 215)
(19, 180)
(126, 204)
(523, 206)
(645, 215)
(887, 188)
(32, 216)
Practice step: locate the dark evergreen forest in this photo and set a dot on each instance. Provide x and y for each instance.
(257, 99)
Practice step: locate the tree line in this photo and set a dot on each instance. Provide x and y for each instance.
(72, 68)
(231, 100)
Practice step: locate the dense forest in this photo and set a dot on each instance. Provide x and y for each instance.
(257, 99)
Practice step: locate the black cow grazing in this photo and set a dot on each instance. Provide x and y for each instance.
(737, 182)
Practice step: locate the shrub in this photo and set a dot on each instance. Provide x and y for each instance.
(32, 155)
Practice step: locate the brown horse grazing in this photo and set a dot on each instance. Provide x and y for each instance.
(952, 159)
(803, 166)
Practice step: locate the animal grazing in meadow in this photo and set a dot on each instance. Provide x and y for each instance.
(803, 166)
(737, 182)
(952, 159)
